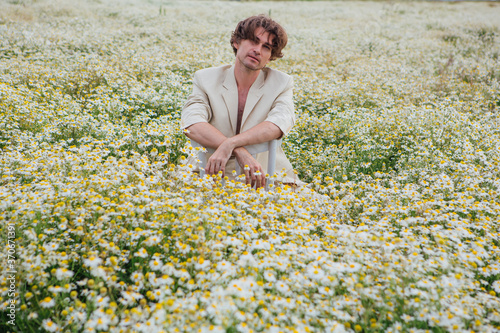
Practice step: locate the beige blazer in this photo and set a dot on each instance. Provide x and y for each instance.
(215, 100)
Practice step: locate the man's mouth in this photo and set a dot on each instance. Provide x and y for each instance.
(254, 58)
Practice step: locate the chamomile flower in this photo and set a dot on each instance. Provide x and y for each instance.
(49, 325)
(47, 302)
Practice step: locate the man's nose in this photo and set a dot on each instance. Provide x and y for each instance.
(258, 48)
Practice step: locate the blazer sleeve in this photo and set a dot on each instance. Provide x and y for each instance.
(282, 112)
(197, 107)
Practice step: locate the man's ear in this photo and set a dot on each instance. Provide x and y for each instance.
(236, 45)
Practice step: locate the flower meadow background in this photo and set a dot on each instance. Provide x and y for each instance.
(398, 133)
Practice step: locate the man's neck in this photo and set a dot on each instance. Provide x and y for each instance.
(244, 76)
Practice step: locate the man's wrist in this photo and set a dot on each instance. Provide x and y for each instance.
(238, 151)
(231, 144)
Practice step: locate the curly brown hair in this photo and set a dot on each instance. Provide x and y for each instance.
(246, 30)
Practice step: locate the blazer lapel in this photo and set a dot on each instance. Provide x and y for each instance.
(254, 95)
(230, 96)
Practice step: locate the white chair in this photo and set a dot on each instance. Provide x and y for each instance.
(271, 147)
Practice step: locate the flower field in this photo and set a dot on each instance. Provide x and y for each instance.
(397, 133)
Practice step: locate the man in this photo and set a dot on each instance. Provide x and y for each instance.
(243, 104)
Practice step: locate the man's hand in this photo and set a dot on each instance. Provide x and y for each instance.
(254, 175)
(217, 162)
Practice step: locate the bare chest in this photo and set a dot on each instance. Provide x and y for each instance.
(242, 99)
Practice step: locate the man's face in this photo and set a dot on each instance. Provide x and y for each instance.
(255, 55)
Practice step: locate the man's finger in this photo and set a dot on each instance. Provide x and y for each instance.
(258, 180)
(262, 178)
(254, 177)
(208, 168)
(214, 168)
